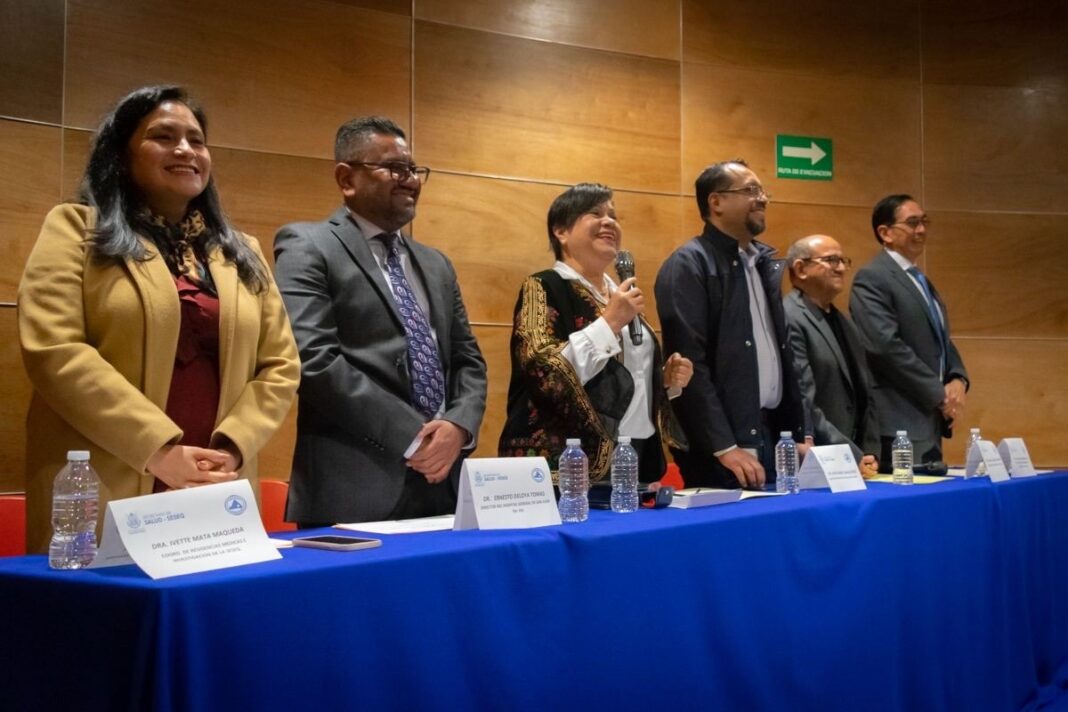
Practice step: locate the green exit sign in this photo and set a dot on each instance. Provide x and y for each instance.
(804, 158)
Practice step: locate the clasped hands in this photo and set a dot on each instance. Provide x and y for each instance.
(181, 466)
(952, 405)
(441, 445)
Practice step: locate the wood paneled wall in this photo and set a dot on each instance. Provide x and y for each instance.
(963, 104)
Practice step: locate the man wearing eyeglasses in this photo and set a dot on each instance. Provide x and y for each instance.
(393, 384)
(828, 355)
(719, 301)
(920, 380)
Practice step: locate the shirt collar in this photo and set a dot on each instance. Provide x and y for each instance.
(571, 274)
(369, 229)
(902, 261)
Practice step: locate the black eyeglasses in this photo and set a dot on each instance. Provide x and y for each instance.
(831, 261)
(914, 222)
(753, 192)
(397, 171)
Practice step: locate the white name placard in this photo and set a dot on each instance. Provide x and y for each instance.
(505, 493)
(987, 454)
(185, 531)
(1014, 454)
(831, 466)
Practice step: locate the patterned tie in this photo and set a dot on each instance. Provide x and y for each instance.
(936, 319)
(425, 375)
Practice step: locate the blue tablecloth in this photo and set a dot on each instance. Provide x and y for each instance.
(951, 596)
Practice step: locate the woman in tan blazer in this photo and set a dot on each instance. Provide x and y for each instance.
(151, 330)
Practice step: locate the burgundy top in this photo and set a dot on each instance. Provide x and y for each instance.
(194, 396)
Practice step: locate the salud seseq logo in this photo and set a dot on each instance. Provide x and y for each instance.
(235, 504)
(479, 478)
(133, 522)
(537, 475)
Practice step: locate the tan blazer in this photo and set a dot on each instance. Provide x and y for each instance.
(98, 342)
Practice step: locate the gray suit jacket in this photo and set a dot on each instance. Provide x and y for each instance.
(903, 353)
(354, 420)
(830, 394)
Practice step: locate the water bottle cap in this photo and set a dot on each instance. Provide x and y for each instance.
(975, 431)
(902, 433)
(78, 455)
(623, 440)
(786, 434)
(574, 442)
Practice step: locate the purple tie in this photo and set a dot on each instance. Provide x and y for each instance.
(425, 375)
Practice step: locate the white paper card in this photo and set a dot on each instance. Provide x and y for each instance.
(505, 493)
(185, 531)
(831, 466)
(987, 455)
(1014, 454)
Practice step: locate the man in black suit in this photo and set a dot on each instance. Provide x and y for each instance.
(393, 384)
(720, 305)
(831, 366)
(920, 380)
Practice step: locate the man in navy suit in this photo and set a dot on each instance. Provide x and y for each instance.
(920, 380)
(831, 366)
(720, 305)
(393, 384)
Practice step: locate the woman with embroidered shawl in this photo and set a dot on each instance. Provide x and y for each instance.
(151, 330)
(576, 371)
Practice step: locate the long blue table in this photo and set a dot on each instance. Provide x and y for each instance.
(951, 596)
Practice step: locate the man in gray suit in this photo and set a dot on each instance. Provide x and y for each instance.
(920, 380)
(393, 384)
(828, 356)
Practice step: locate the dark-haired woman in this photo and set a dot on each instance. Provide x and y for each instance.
(575, 370)
(151, 330)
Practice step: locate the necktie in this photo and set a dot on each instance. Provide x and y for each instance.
(426, 378)
(936, 319)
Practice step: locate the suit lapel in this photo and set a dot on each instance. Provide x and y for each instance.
(163, 320)
(355, 243)
(226, 281)
(424, 264)
(906, 283)
(818, 319)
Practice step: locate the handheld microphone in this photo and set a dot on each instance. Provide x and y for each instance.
(625, 270)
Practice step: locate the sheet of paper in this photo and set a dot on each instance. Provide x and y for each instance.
(505, 493)
(185, 531)
(402, 526)
(916, 479)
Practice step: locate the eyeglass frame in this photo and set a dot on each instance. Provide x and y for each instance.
(831, 261)
(748, 191)
(422, 173)
(913, 222)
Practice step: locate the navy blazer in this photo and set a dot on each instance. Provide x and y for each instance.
(354, 419)
(703, 303)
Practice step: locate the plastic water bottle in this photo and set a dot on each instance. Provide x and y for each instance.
(786, 480)
(901, 457)
(574, 483)
(973, 442)
(75, 503)
(624, 477)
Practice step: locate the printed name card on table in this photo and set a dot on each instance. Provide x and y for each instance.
(987, 454)
(1014, 454)
(831, 466)
(505, 493)
(185, 531)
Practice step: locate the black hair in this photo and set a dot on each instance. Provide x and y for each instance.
(572, 204)
(885, 212)
(108, 187)
(352, 134)
(715, 178)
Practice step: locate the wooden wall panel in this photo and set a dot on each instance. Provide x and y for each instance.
(29, 187)
(829, 38)
(273, 75)
(994, 43)
(629, 26)
(75, 155)
(996, 148)
(1019, 388)
(15, 397)
(398, 7)
(491, 104)
(1002, 274)
(494, 232)
(875, 125)
(31, 54)
(493, 340)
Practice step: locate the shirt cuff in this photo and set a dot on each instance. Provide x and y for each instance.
(601, 336)
(721, 453)
(674, 392)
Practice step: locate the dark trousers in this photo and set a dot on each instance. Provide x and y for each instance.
(705, 470)
(419, 498)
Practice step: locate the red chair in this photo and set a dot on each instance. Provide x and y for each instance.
(12, 525)
(672, 477)
(273, 495)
